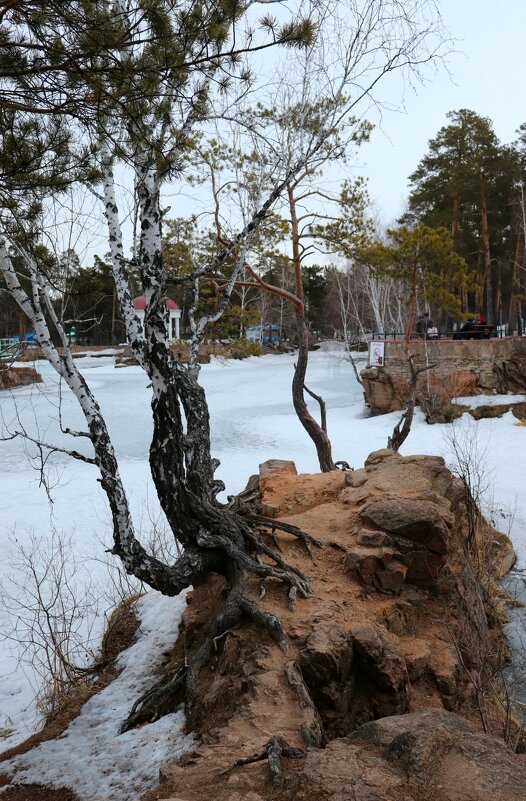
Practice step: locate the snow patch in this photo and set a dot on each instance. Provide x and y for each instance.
(91, 757)
(489, 400)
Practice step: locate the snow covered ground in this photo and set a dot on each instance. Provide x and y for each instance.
(252, 420)
(92, 757)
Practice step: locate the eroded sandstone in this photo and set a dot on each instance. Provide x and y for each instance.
(370, 667)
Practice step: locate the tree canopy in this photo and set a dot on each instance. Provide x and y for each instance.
(467, 183)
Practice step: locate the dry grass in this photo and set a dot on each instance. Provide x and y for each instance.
(436, 394)
(116, 639)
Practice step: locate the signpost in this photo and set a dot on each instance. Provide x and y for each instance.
(376, 353)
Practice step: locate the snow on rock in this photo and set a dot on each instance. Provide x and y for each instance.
(473, 401)
(92, 758)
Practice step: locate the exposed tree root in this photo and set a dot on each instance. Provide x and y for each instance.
(237, 604)
(222, 540)
(246, 564)
(156, 702)
(164, 698)
(237, 549)
(275, 749)
(312, 733)
(246, 501)
(261, 548)
(277, 525)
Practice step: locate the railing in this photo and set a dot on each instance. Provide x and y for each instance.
(401, 335)
(8, 347)
(481, 332)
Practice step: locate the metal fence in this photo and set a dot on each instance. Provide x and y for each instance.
(499, 332)
(8, 347)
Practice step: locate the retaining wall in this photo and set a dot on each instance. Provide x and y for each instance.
(461, 367)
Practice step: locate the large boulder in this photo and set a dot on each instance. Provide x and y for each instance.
(284, 492)
(377, 567)
(354, 676)
(431, 754)
(381, 665)
(420, 530)
(440, 754)
(417, 520)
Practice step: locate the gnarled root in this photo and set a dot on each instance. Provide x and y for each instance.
(237, 604)
(274, 750)
(312, 733)
(229, 544)
(156, 702)
(246, 501)
(278, 525)
(239, 556)
(164, 698)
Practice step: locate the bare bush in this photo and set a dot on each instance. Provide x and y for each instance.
(53, 613)
(59, 616)
(497, 676)
(436, 397)
(468, 463)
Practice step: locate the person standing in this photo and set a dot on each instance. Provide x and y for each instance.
(423, 324)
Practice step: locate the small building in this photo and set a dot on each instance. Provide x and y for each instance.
(139, 304)
(267, 333)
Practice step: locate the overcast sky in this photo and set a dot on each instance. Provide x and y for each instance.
(488, 76)
(485, 73)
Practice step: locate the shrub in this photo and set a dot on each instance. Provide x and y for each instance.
(436, 397)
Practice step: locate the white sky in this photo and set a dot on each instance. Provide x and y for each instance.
(484, 73)
(487, 76)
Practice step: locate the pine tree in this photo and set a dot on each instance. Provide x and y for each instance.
(423, 260)
(462, 183)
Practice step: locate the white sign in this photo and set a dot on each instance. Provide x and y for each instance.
(376, 354)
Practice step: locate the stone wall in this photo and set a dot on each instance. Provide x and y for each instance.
(463, 367)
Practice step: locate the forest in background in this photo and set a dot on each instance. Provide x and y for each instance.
(458, 249)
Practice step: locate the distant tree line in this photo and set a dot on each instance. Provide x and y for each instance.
(459, 248)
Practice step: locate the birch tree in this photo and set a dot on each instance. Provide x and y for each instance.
(153, 73)
(367, 302)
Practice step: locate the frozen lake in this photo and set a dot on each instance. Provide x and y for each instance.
(252, 420)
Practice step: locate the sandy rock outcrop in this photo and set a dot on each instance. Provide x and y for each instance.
(430, 754)
(399, 631)
(12, 377)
